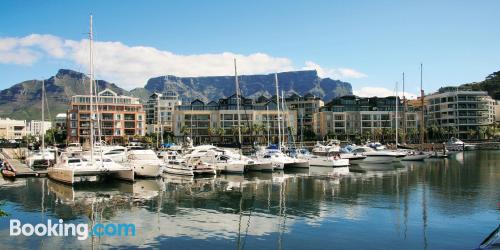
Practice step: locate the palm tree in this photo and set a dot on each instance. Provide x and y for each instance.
(378, 133)
(490, 131)
(482, 132)
(185, 131)
(211, 132)
(471, 133)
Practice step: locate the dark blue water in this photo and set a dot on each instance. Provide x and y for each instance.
(437, 204)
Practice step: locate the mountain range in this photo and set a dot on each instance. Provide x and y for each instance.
(23, 100)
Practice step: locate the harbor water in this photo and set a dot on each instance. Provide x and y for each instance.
(436, 204)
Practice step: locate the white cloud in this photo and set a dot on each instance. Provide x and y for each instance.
(335, 73)
(132, 66)
(381, 92)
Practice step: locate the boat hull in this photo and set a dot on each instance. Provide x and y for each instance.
(235, 168)
(419, 157)
(62, 175)
(378, 159)
(148, 170)
(265, 166)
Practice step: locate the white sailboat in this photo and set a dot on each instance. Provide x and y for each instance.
(70, 168)
(44, 157)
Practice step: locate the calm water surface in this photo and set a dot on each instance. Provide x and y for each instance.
(437, 204)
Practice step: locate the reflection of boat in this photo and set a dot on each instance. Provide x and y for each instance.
(376, 166)
(414, 156)
(455, 144)
(315, 170)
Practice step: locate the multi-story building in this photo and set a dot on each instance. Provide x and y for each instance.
(163, 104)
(37, 128)
(460, 110)
(12, 129)
(352, 115)
(306, 107)
(121, 117)
(218, 121)
(60, 121)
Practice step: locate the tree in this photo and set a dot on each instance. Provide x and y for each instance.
(185, 131)
(220, 132)
(491, 130)
(211, 132)
(471, 133)
(482, 132)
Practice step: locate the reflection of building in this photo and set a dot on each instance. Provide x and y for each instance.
(463, 110)
(306, 107)
(164, 104)
(35, 127)
(257, 118)
(60, 121)
(120, 117)
(12, 129)
(352, 115)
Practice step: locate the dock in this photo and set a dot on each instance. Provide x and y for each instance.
(21, 169)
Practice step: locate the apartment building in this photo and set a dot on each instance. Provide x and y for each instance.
(37, 128)
(160, 111)
(121, 117)
(352, 115)
(217, 121)
(306, 106)
(460, 110)
(12, 129)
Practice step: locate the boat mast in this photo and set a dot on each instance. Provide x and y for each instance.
(237, 101)
(158, 123)
(404, 110)
(397, 100)
(268, 126)
(43, 119)
(283, 118)
(422, 123)
(91, 137)
(278, 108)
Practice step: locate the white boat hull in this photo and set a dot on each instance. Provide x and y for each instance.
(264, 166)
(177, 171)
(323, 161)
(236, 168)
(65, 175)
(148, 170)
(418, 157)
(378, 159)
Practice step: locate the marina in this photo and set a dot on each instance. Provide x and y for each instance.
(404, 204)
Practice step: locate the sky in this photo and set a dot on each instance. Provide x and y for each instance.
(366, 43)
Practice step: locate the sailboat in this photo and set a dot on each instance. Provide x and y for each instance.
(44, 157)
(411, 155)
(71, 168)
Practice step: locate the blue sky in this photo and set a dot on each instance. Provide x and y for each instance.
(367, 43)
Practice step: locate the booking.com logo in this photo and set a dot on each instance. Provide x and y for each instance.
(81, 230)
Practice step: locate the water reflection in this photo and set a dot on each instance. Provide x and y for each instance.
(439, 203)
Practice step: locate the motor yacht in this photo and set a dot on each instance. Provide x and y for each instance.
(144, 162)
(374, 156)
(332, 146)
(191, 165)
(455, 144)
